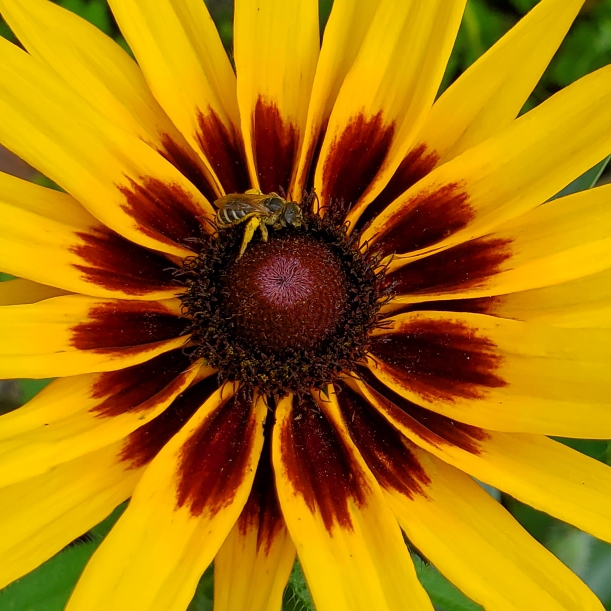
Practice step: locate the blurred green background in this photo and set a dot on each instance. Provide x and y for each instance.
(586, 48)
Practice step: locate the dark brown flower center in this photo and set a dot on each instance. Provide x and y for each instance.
(292, 314)
(288, 294)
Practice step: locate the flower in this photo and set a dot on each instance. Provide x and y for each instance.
(430, 320)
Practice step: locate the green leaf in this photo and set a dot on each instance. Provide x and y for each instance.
(573, 547)
(597, 574)
(297, 596)
(594, 448)
(30, 388)
(5, 31)
(4, 277)
(443, 594)
(523, 6)
(94, 11)
(586, 181)
(43, 181)
(204, 595)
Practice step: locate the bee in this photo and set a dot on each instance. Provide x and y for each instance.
(257, 210)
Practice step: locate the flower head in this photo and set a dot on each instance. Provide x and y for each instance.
(263, 387)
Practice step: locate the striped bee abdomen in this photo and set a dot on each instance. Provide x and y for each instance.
(228, 216)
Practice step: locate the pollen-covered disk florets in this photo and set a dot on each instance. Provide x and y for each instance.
(292, 314)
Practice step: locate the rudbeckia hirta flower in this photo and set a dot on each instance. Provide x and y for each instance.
(342, 383)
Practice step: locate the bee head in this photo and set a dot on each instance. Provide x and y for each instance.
(292, 214)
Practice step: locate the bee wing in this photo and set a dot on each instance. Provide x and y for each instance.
(248, 202)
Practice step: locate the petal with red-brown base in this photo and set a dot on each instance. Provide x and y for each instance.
(499, 374)
(103, 73)
(457, 525)
(48, 237)
(276, 49)
(116, 176)
(484, 99)
(186, 67)
(253, 566)
(384, 98)
(559, 241)
(183, 508)
(348, 541)
(533, 468)
(77, 334)
(503, 177)
(79, 414)
(343, 36)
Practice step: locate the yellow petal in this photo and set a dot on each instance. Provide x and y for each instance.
(182, 510)
(19, 291)
(385, 97)
(182, 58)
(344, 33)
(559, 241)
(486, 98)
(465, 533)
(585, 302)
(499, 374)
(276, 49)
(40, 516)
(47, 236)
(76, 334)
(104, 75)
(254, 564)
(348, 541)
(121, 180)
(77, 415)
(503, 177)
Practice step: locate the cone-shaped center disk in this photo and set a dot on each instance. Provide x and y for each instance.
(288, 294)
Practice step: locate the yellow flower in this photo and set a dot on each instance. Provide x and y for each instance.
(429, 322)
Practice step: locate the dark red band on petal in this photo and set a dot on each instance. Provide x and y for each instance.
(430, 426)
(163, 211)
(184, 159)
(140, 387)
(146, 442)
(480, 305)
(214, 460)
(413, 168)
(262, 513)
(115, 325)
(430, 216)
(465, 266)
(439, 359)
(120, 265)
(354, 159)
(275, 143)
(319, 465)
(384, 449)
(224, 150)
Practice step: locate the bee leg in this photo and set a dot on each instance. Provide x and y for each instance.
(264, 232)
(251, 227)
